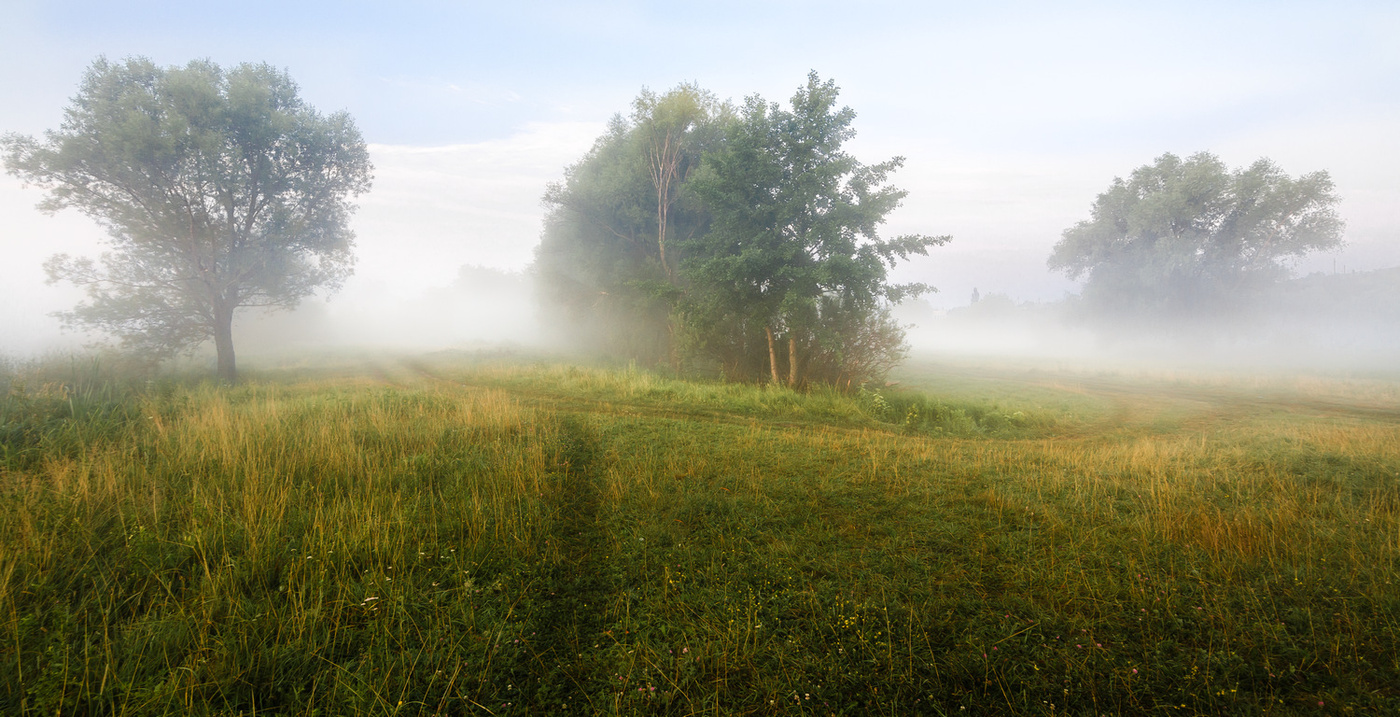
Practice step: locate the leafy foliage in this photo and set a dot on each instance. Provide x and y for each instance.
(607, 255)
(773, 228)
(1189, 237)
(218, 189)
(794, 247)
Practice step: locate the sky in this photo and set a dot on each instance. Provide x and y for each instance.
(1011, 117)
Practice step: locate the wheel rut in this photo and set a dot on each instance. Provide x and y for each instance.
(575, 589)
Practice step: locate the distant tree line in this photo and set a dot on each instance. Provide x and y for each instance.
(697, 234)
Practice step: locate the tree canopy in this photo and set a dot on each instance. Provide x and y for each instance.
(218, 189)
(794, 249)
(714, 235)
(1181, 238)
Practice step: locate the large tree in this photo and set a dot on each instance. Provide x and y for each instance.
(218, 189)
(1185, 238)
(608, 253)
(794, 252)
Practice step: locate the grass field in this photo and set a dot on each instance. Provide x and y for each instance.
(451, 535)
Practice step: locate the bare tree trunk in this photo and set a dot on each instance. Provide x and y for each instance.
(792, 361)
(223, 340)
(665, 160)
(663, 204)
(772, 355)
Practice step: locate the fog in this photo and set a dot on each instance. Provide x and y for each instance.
(1012, 118)
(482, 309)
(1341, 323)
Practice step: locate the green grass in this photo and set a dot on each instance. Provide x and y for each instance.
(440, 535)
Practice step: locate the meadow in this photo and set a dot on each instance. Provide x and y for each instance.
(458, 535)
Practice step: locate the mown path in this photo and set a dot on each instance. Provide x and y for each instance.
(574, 589)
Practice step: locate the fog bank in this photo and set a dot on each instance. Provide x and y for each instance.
(1343, 322)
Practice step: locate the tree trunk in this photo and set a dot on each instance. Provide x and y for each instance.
(792, 361)
(664, 163)
(772, 355)
(662, 205)
(673, 345)
(223, 341)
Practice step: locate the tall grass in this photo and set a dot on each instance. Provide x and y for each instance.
(431, 537)
(225, 546)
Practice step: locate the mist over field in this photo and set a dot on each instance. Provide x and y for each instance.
(482, 309)
(1008, 136)
(1316, 323)
(1323, 323)
(753, 358)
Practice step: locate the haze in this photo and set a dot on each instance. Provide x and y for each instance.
(1012, 117)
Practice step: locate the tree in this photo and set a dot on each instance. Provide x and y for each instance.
(218, 189)
(794, 249)
(667, 125)
(1187, 238)
(606, 259)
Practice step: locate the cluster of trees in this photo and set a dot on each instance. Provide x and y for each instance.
(696, 233)
(693, 232)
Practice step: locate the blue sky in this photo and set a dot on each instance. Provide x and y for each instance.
(1090, 75)
(1012, 116)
